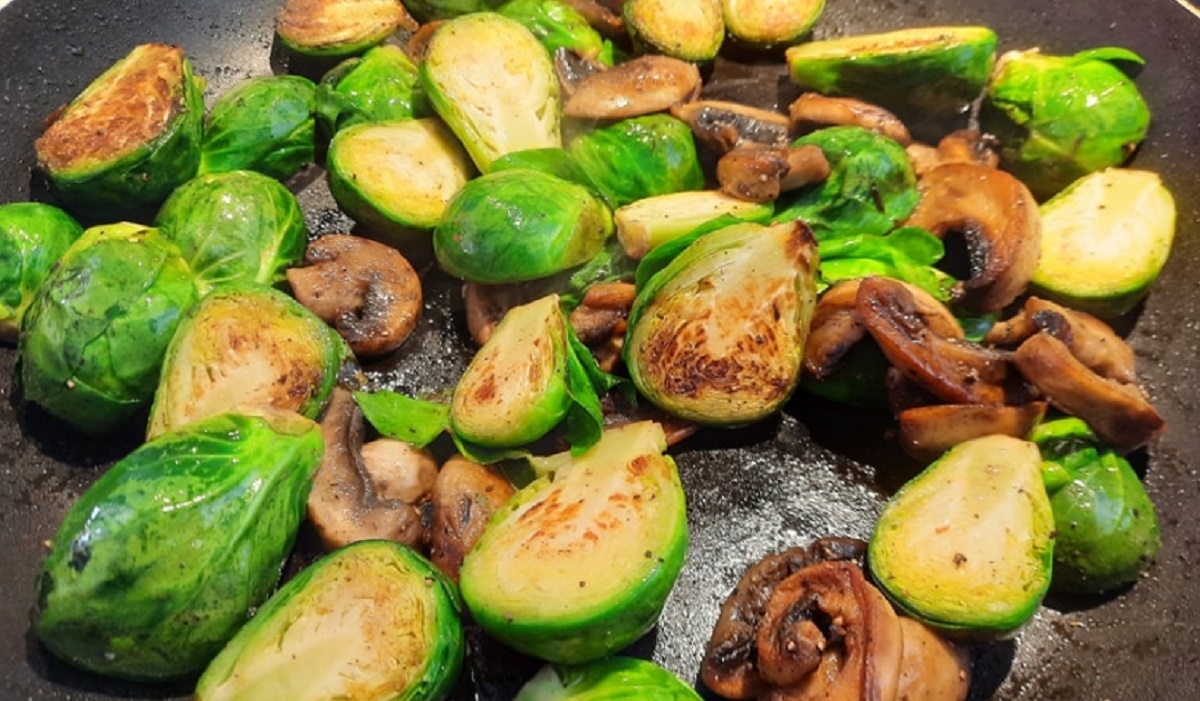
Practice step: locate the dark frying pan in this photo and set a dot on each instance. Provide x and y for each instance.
(817, 470)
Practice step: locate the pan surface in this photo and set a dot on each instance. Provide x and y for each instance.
(816, 470)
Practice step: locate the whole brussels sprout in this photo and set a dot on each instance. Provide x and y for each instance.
(264, 124)
(33, 236)
(380, 86)
(94, 335)
(639, 157)
(162, 560)
(609, 679)
(558, 25)
(554, 160)
(494, 84)
(373, 620)
(519, 225)
(1059, 118)
(234, 227)
(130, 138)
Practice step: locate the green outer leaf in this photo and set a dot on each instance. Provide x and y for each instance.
(908, 254)
(94, 336)
(380, 86)
(559, 25)
(264, 124)
(415, 421)
(33, 236)
(553, 160)
(639, 157)
(162, 560)
(610, 679)
(235, 227)
(428, 10)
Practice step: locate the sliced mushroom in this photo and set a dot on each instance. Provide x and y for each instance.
(999, 220)
(572, 68)
(345, 504)
(725, 125)
(465, 495)
(928, 431)
(643, 85)
(605, 17)
(1091, 340)
(962, 146)
(600, 320)
(399, 471)
(931, 668)
(1119, 413)
(418, 43)
(812, 110)
(486, 305)
(366, 290)
(759, 174)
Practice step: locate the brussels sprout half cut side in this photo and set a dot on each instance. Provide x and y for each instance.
(130, 138)
(691, 30)
(648, 223)
(494, 84)
(717, 336)
(576, 568)
(264, 124)
(373, 620)
(767, 23)
(244, 348)
(339, 28)
(606, 680)
(33, 236)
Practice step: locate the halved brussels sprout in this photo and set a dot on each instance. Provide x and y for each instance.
(161, 561)
(264, 124)
(692, 30)
(639, 157)
(339, 28)
(717, 336)
(380, 86)
(429, 10)
(558, 25)
(967, 545)
(130, 138)
(606, 680)
(33, 236)
(1059, 118)
(919, 73)
(373, 620)
(518, 225)
(397, 177)
(94, 335)
(494, 84)
(242, 348)
(235, 227)
(515, 389)
(576, 568)
(770, 22)
(650, 222)
(1105, 239)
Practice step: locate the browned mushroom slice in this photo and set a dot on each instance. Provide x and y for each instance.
(1119, 413)
(399, 470)
(599, 320)
(759, 174)
(344, 505)
(928, 431)
(364, 289)
(465, 495)
(999, 220)
(723, 125)
(572, 69)
(486, 305)
(643, 85)
(418, 43)
(835, 329)
(962, 146)
(828, 634)
(730, 662)
(812, 110)
(1091, 340)
(931, 668)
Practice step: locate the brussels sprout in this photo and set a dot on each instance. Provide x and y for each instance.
(639, 157)
(244, 347)
(870, 189)
(239, 226)
(93, 338)
(494, 84)
(339, 28)
(967, 545)
(908, 253)
(429, 10)
(554, 161)
(162, 560)
(33, 236)
(1105, 526)
(263, 124)
(515, 389)
(373, 620)
(1059, 118)
(717, 336)
(768, 23)
(397, 177)
(130, 138)
(648, 223)
(519, 225)
(921, 73)
(553, 575)
(606, 680)
(379, 86)
(691, 30)
(1105, 239)
(558, 25)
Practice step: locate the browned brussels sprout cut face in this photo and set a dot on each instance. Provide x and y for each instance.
(692, 30)
(339, 28)
(770, 22)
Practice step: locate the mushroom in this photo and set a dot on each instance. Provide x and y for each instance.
(465, 495)
(366, 290)
(931, 667)
(572, 68)
(962, 146)
(643, 85)
(815, 110)
(604, 16)
(725, 125)
(999, 220)
(418, 43)
(928, 431)
(353, 500)
(759, 174)
(1118, 412)
(599, 320)
(486, 305)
